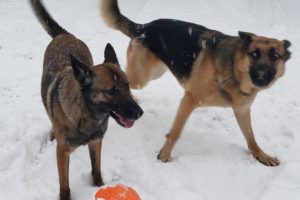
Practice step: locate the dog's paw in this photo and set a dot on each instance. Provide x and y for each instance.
(98, 183)
(266, 159)
(97, 179)
(164, 156)
(65, 194)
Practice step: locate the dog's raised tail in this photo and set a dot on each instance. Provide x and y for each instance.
(112, 16)
(49, 24)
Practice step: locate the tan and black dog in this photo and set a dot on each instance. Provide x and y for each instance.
(213, 68)
(80, 97)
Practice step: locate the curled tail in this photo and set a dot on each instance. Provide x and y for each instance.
(49, 24)
(112, 16)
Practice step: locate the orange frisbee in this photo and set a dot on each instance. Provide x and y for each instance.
(117, 192)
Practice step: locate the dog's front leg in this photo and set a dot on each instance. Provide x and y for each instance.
(243, 118)
(95, 155)
(187, 105)
(63, 157)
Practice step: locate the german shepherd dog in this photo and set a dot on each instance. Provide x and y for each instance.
(213, 68)
(79, 97)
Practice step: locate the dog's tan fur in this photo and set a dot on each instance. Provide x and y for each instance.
(207, 86)
(144, 65)
(221, 74)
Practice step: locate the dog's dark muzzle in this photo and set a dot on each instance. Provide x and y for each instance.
(133, 112)
(127, 113)
(262, 75)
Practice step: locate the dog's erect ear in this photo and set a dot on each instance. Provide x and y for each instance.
(82, 71)
(287, 54)
(246, 37)
(110, 55)
(286, 43)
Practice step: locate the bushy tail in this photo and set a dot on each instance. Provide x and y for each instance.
(112, 16)
(49, 24)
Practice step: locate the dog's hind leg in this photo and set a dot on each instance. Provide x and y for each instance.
(187, 105)
(95, 155)
(142, 65)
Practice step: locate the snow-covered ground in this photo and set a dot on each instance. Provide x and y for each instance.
(210, 161)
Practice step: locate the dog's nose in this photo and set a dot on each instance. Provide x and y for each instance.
(136, 112)
(261, 74)
(141, 112)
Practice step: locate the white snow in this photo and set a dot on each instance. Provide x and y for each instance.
(142, 36)
(190, 30)
(210, 161)
(194, 55)
(203, 44)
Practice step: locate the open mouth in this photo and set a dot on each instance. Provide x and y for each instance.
(123, 121)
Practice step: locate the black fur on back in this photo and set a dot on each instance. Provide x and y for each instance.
(49, 24)
(177, 43)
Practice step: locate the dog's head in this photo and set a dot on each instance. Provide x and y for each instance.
(260, 60)
(105, 88)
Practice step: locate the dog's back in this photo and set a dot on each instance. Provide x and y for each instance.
(57, 60)
(176, 43)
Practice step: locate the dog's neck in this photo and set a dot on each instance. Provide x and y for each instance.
(76, 107)
(230, 84)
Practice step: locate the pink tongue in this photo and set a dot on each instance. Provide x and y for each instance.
(128, 123)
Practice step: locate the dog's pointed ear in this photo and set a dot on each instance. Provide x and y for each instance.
(287, 54)
(286, 44)
(110, 55)
(82, 71)
(246, 37)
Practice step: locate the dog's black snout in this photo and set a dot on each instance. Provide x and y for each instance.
(262, 75)
(141, 112)
(135, 112)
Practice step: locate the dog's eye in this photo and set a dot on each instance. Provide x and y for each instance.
(274, 56)
(112, 91)
(255, 55)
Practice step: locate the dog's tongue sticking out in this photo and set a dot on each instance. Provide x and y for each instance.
(128, 123)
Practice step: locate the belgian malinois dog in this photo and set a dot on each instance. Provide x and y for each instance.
(213, 68)
(80, 97)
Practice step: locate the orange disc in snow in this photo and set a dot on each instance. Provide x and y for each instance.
(118, 192)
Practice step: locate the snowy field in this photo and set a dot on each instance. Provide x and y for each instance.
(210, 161)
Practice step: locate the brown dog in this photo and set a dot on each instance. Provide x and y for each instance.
(80, 97)
(213, 68)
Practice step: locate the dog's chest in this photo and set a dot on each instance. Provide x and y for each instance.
(88, 130)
